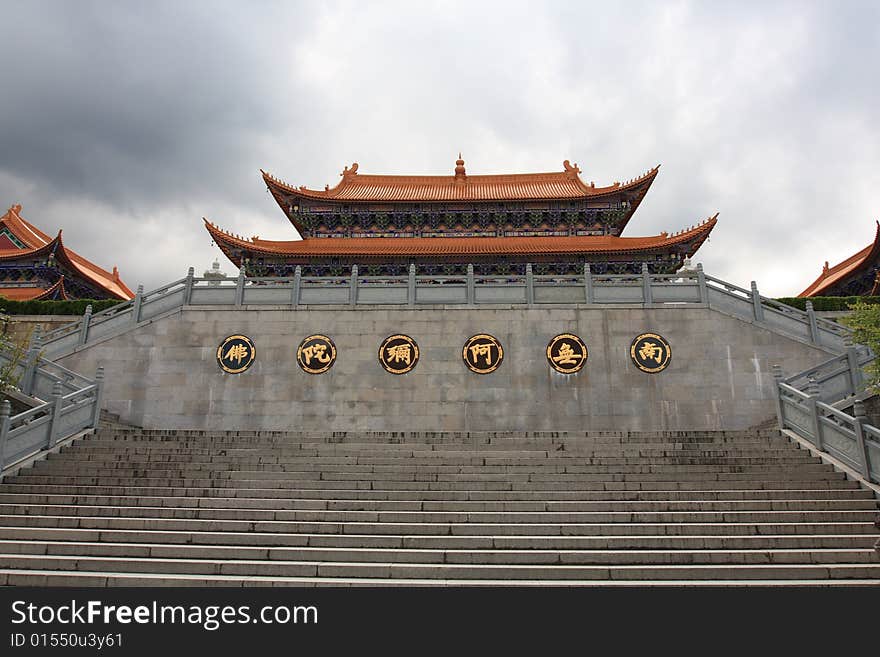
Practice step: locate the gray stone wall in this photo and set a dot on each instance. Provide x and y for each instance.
(165, 374)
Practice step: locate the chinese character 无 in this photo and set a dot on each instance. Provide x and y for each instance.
(566, 355)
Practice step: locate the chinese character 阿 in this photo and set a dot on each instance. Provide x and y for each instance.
(651, 350)
(236, 352)
(566, 355)
(318, 352)
(399, 352)
(482, 350)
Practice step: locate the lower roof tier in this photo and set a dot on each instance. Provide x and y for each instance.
(456, 249)
(858, 275)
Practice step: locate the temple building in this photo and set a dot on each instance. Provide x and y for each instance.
(497, 223)
(858, 275)
(36, 266)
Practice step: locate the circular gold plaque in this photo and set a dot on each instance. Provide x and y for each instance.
(482, 353)
(650, 353)
(567, 353)
(399, 354)
(316, 354)
(236, 353)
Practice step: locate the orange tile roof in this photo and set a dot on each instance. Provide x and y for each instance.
(35, 293)
(464, 246)
(38, 241)
(355, 186)
(835, 274)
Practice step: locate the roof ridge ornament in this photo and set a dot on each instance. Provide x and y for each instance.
(348, 173)
(571, 170)
(460, 174)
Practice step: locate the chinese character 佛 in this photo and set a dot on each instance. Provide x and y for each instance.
(237, 353)
(567, 355)
(651, 350)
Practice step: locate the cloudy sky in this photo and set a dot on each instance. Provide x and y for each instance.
(124, 123)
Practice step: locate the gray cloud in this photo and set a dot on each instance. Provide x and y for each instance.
(124, 123)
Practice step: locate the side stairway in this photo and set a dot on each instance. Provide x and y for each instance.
(134, 507)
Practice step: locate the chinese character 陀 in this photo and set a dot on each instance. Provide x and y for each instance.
(399, 352)
(566, 355)
(236, 352)
(651, 350)
(318, 352)
(482, 350)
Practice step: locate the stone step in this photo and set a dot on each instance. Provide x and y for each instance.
(556, 461)
(842, 489)
(864, 503)
(443, 517)
(43, 578)
(263, 568)
(452, 528)
(449, 556)
(721, 541)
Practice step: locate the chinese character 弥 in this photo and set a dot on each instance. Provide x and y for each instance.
(399, 352)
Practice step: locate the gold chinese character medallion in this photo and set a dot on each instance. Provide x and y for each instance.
(567, 353)
(482, 353)
(399, 354)
(236, 353)
(316, 354)
(650, 353)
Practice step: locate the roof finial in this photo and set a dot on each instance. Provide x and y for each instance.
(459, 168)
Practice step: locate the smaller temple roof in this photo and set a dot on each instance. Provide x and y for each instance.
(33, 242)
(55, 291)
(356, 186)
(852, 265)
(367, 247)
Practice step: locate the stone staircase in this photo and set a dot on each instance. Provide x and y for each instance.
(132, 507)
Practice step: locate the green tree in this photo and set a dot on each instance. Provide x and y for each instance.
(865, 323)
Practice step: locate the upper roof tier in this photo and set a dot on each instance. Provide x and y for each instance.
(860, 263)
(20, 239)
(356, 186)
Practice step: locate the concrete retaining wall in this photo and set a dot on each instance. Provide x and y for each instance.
(165, 374)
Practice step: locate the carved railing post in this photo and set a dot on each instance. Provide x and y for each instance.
(861, 420)
(99, 395)
(780, 408)
(297, 285)
(856, 377)
(471, 292)
(188, 286)
(136, 305)
(239, 288)
(813, 391)
(353, 286)
(756, 303)
(811, 320)
(5, 410)
(701, 281)
(647, 296)
(31, 361)
(411, 286)
(86, 322)
(57, 401)
(588, 283)
(530, 284)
